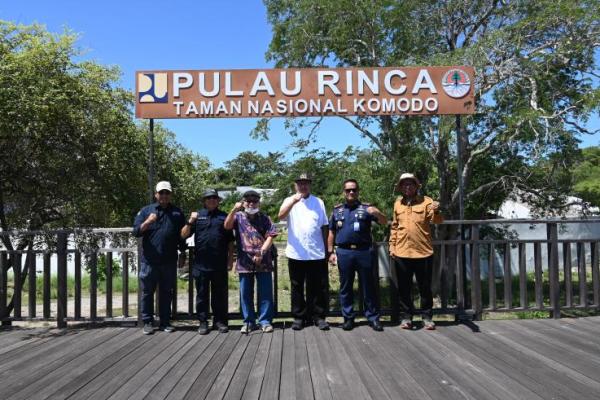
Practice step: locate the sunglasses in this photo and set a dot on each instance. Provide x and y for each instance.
(351, 190)
(164, 192)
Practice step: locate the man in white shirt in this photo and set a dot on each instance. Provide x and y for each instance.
(307, 226)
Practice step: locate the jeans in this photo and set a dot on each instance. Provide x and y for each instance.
(162, 275)
(264, 286)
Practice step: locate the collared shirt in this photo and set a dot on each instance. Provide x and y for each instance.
(161, 240)
(410, 235)
(211, 240)
(250, 234)
(351, 224)
(304, 225)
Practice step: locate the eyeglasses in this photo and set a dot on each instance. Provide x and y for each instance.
(351, 190)
(164, 192)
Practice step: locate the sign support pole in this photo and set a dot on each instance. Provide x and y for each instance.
(461, 210)
(151, 161)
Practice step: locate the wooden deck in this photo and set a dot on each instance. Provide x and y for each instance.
(525, 359)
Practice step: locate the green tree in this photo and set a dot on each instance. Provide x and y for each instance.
(250, 168)
(534, 86)
(72, 154)
(586, 176)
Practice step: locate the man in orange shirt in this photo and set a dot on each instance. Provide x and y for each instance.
(411, 248)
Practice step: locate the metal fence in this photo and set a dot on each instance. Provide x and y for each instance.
(543, 279)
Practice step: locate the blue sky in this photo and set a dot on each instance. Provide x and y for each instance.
(146, 35)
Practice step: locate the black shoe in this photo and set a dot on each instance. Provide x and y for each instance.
(148, 328)
(297, 325)
(167, 328)
(348, 324)
(221, 327)
(376, 325)
(203, 328)
(322, 324)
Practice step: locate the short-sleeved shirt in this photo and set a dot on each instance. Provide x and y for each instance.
(211, 240)
(250, 234)
(304, 224)
(410, 234)
(162, 238)
(351, 224)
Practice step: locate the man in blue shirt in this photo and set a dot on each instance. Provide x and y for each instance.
(159, 225)
(350, 229)
(213, 254)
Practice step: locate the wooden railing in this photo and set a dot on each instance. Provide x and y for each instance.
(463, 287)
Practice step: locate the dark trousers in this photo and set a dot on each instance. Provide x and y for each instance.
(316, 276)
(352, 262)
(162, 275)
(421, 268)
(211, 284)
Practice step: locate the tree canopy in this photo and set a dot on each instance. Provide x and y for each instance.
(536, 85)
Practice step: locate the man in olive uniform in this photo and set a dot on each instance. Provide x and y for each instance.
(213, 252)
(350, 230)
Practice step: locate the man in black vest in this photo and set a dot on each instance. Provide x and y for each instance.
(213, 254)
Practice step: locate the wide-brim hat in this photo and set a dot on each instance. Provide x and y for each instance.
(304, 176)
(410, 176)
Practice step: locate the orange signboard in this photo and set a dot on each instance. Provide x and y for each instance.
(305, 92)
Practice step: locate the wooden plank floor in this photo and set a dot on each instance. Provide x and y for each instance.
(524, 359)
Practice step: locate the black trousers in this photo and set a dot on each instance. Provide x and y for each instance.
(421, 268)
(215, 284)
(314, 275)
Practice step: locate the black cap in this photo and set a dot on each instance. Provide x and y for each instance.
(305, 176)
(210, 193)
(251, 193)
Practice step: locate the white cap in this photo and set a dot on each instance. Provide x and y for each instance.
(163, 185)
(407, 175)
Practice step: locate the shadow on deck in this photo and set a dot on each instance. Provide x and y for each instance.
(525, 359)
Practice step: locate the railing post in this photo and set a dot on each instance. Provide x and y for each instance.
(524, 299)
(31, 287)
(77, 285)
(93, 264)
(125, 284)
(46, 285)
(140, 322)
(3, 288)
(552, 236)
(492, 277)
(475, 273)
(595, 274)
(108, 274)
(275, 254)
(18, 288)
(61, 270)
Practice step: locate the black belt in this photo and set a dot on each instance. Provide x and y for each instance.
(354, 246)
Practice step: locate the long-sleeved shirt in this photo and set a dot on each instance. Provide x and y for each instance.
(410, 235)
(162, 238)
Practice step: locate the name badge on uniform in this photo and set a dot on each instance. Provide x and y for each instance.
(356, 226)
